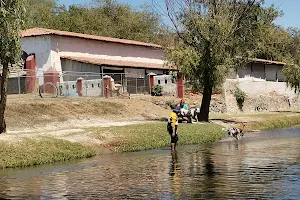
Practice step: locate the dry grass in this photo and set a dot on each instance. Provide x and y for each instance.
(30, 112)
(261, 121)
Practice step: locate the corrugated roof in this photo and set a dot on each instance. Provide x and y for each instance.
(120, 63)
(267, 61)
(42, 31)
(270, 62)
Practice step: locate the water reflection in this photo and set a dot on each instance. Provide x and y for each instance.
(175, 173)
(262, 166)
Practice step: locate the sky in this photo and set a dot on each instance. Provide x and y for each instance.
(289, 7)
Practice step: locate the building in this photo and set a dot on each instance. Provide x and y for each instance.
(68, 51)
(92, 56)
(260, 69)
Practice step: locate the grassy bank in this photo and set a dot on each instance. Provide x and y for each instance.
(154, 135)
(262, 121)
(29, 152)
(42, 150)
(276, 122)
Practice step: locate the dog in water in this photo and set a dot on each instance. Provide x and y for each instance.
(237, 133)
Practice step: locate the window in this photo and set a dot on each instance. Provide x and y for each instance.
(158, 82)
(166, 81)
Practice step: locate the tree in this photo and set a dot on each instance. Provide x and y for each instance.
(40, 13)
(11, 21)
(101, 17)
(292, 69)
(210, 36)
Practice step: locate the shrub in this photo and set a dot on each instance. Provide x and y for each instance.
(157, 90)
(240, 96)
(170, 103)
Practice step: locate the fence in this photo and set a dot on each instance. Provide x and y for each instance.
(68, 83)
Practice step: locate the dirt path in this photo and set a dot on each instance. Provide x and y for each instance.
(73, 130)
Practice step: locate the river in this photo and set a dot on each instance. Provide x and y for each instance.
(260, 166)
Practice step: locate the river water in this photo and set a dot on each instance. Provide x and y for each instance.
(260, 166)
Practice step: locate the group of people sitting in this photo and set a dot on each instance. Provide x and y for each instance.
(185, 112)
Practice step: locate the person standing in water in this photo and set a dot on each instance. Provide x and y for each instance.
(172, 127)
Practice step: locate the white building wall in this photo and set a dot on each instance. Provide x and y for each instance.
(169, 87)
(45, 58)
(253, 86)
(41, 46)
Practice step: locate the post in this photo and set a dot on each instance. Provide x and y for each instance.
(151, 81)
(136, 85)
(107, 86)
(144, 88)
(180, 86)
(86, 84)
(30, 74)
(51, 76)
(79, 86)
(19, 84)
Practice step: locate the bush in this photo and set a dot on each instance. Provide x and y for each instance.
(157, 90)
(170, 103)
(240, 96)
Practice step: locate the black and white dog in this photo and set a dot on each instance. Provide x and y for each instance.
(237, 133)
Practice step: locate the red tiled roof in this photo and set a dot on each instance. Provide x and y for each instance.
(97, 61)
(42, 31)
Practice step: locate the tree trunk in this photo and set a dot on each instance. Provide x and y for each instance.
(4, 78)
(203, 116)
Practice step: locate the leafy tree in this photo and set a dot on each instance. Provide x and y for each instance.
(11, 21)
(40, 13)
(100, 17)
(292, 69)
(210, 36)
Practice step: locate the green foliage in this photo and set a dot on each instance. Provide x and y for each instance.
(207, 44)
(240, 96)
(210, 36)
(170, 103)
(291, 70)
(153, 135)
(29, 152)
(12, 13)
(157, 90)
(101, 17)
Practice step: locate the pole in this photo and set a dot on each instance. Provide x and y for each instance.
(136, 84)
(19, 84)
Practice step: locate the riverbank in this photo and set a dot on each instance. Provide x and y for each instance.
(36, 149)
(44, 131)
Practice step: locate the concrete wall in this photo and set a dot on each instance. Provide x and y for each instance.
(41, 46)
(169, 87)
(262, 71)
(261, 87)
(45, 57)
(91, 88)
(262, 94)
(71, 44)
(68, 88)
